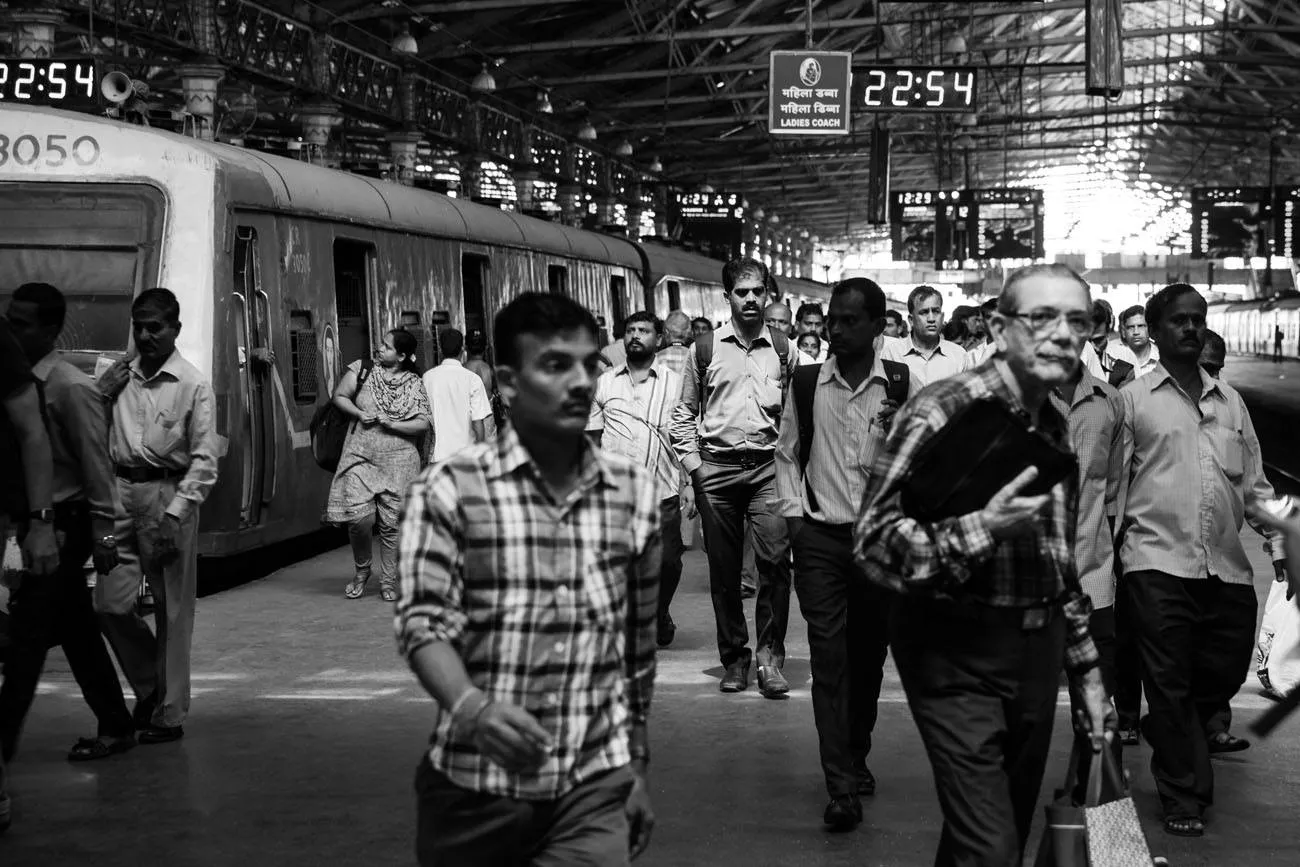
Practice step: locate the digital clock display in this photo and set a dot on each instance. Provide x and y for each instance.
(63, 82)
(917, 88)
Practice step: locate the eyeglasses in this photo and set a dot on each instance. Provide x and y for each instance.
(1043, 320)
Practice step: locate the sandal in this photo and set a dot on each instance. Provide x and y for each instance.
(1184, 826)
(388, 593)
(89, 749)
(357, 586)
(1223, 742)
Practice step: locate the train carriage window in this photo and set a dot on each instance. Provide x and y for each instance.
(617, 301)
(674, 295)
(304, 357)
(98, 243)
(557, 279)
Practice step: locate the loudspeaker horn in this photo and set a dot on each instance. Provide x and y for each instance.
(117, 87)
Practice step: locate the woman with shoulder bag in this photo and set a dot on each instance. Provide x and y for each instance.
(381, 456)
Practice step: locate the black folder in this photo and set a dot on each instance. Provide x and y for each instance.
(982, 448)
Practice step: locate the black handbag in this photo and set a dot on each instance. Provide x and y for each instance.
(982, 448)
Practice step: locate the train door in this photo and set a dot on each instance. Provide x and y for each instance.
(617, 300)
(557, 279)
(255, 426)
(351, 299)
(473, 279)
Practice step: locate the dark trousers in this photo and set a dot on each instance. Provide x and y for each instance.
(1102, 626)
(983, 694)
(725, 494)
(57, 609)
(1128, 661)
(460, 828)
(670, 575)
(1196, 638)
(848, 637)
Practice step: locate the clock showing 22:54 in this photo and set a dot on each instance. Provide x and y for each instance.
(916, 88)
(49, 81)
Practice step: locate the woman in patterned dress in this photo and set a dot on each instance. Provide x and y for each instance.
(381, 456)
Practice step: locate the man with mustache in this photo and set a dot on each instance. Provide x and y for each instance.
(929, 357)
(1190, 452)
(724, 431)
(1135, 346)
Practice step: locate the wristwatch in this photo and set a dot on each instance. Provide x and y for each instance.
(46, 515)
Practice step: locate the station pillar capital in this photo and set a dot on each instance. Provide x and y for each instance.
(199, 83)
(403, 147)
(33, 30)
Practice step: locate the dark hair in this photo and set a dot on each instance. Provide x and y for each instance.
(737, 268)
(1130, 312)
(962, 312)
(451, 342)
(476, 342)
(620, 327)
(1102, 314)
(541, 314)
(161, 300)
(955, 331)
(1215, 339)
(989, 306)
(406, 344)
(873, 297)
(811, 335)
(1009, 300)
(51, 308)
(919, 294)
(704, 319)
(1161, 300)
(895, 316)
(810, 307)
(644, 316)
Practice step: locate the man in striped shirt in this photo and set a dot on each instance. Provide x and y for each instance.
(529, 591)
(990, 606)
(848, 617)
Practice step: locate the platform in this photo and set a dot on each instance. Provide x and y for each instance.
(1271, 390)
(306, 729)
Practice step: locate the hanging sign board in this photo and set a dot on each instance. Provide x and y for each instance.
(808, 92)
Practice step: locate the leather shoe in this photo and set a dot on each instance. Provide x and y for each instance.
(843, 813)
(161, 734)
(667, 631)
(736, 678)
(866, 779)
(771, 682)
(142, 716)
(748, 591)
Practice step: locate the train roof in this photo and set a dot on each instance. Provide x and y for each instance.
(260, 180)
(1287, 302)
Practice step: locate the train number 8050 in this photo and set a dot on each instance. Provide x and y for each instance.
(55, 151)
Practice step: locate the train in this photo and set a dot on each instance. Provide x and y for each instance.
(1249, 327)
(285, 272)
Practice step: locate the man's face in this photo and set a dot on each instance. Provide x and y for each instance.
(640, 340)
(850, 328)
(748, 298)
(811, 323)
(155, 337)
(927, 318)
(1134, 333)
(1180, 333)
(976, 326)
(1213, 358)
(37, 340)
(1100, 338)
(1038, 342)
(893, 326)
(552, 387)
(700, 326)
(777, 317)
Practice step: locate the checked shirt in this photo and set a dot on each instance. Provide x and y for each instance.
(551, 605)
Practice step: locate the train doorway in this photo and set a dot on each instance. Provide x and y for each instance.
(351, 296)
(473, 278)
(257, 445)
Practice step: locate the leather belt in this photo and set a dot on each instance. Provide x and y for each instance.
(139, 475)
(749, 458)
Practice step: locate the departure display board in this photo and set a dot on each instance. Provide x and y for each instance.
(1230, 222)
(1286, 233)
(713, 222)
(1007, 223)
(928, 226)
(946, 226)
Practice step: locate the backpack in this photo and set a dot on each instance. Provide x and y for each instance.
(804, 391)
(704, 355)
(330, 425)
(1120, 372)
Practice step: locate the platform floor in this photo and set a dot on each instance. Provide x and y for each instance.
(306, 730)
(1271, 390)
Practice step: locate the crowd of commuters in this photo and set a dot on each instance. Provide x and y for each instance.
(530, 517)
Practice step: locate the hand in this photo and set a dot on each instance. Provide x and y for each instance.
(1282, 573)
(640, 817)
(165, 551)
(264, 356)
(105, 558)
(41, 549)
(112, 381)
(1288, 527)
(888, 409)
(1094, 715)
(688, 502)
(793, 526)
(368, 420)
(1008, 516)
(511, 737)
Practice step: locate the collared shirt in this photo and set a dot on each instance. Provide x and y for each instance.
(634, 421)
(846, 440)
(738, 408)
(945, 360)
(551, 604)
(614, 354)
(958, 558)
(675, 356)
(1096, 431)
(78, 427)
(980, 354)
(457, 398)
(1118, 351)
(166, 421)
(1191, 465)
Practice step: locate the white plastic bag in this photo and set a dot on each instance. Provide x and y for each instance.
(1277, 654)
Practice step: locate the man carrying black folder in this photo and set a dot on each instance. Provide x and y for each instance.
(991, 607)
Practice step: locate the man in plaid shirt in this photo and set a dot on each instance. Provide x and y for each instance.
(529, 574)
(990, 608)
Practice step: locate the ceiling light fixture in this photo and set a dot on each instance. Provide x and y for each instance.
(483, 82)
(955, 44)
(405, 43)
(624, 149)
(543, 103)
(657, 166)
(586, 132)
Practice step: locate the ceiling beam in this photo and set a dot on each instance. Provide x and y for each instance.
(461, 7)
